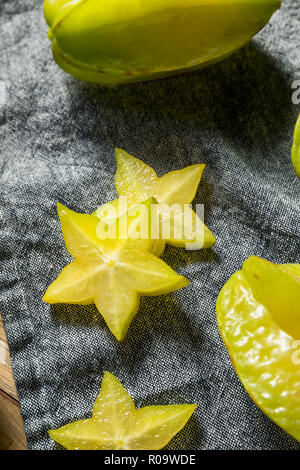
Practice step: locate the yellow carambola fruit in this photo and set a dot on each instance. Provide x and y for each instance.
(179, 225)
(296, 148)
(258, 312)
(113, 265)
(117, 425)
(119, 41)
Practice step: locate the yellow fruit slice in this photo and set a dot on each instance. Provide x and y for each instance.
(119, 41)
(136, 182)
(296, 148)
(278, 290)
(113, 209)
(113, 265)
(252, 309)
(117, 425)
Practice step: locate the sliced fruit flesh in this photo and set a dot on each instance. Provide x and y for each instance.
(265, 357)
(114, 42)
(111, 273)
(174, 191)
(296, 148)
(117, 425)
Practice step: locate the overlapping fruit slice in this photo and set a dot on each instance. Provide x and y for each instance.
(117, 425)
(258, 312)
(111, 210)
(113, 265)
(179, 224)
(296, 148)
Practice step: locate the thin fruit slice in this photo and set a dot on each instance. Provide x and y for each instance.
(119, 41)
(113, 265)
(117, 425)
(180, 225)
(258, 316)
(296, 148)
(111, 210)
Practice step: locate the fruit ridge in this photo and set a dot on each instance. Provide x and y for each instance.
(174, 192)
(296, 148)
(266, 358)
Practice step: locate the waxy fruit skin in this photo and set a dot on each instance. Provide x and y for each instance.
(266, 357)
(296, 148)
(117, 425)
(120, 41)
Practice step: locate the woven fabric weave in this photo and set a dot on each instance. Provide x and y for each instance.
(57, 138)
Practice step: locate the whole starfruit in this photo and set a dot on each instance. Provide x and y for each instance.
(119, 41)
(296, 148)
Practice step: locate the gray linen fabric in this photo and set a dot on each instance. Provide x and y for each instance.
(57, 144)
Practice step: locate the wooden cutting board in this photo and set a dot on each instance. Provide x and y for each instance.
(12, 435)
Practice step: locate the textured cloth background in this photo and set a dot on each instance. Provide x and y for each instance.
(57, 139)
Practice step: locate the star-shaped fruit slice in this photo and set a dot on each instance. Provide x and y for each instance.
(180, 225)
(296, 148)
(113, 265)
(117, 425)
(258, 312)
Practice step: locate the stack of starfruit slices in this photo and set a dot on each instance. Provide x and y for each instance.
(116, 260)
(116, 249)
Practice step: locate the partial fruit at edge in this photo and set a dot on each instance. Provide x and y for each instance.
(258, 316)
(119, 41)
(296, 148)
(51, 7)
